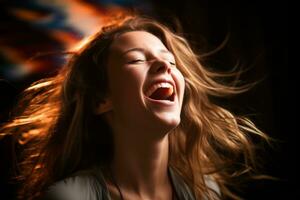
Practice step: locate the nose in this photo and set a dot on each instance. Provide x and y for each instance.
(160, 66)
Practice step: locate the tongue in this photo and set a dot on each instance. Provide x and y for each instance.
(162, 94)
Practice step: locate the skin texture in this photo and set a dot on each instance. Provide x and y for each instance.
(140, 125)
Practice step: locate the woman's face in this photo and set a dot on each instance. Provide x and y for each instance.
(145, 87)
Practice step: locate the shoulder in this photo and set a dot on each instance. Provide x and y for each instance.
(184, 192)
(213, 186)
(84, 185)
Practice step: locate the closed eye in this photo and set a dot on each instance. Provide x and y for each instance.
(136, 61)
(172, 63)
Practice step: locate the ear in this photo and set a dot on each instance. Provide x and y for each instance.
(104, 106)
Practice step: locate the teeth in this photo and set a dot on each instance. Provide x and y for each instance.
(158, 85)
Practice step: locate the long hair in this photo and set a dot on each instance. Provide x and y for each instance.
(61, 134)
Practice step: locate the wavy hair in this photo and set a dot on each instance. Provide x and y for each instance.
(61, 134)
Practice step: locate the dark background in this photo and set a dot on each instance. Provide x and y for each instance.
(257, 39)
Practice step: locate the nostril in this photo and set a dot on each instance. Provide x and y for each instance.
(160, 66)
(163, 68)
(169, 70)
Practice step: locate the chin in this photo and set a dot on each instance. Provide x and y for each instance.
(168, 121)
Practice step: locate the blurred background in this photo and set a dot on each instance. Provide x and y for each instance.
(252, 35)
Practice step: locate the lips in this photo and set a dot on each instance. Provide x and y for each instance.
(161, 90)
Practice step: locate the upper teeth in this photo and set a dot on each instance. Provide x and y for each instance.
(158, 85)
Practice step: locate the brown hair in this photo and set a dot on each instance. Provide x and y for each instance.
(57, 125)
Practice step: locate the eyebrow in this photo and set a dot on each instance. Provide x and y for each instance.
(143, 51)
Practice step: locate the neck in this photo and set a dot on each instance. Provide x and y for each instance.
(140, 166)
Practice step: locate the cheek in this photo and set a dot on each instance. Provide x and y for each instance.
(126, 86)
(181, 82)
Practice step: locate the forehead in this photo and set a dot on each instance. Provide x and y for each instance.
(136, 39)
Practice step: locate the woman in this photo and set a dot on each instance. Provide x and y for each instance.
(130, 117)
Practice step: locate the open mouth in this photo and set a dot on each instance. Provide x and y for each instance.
(163, 91)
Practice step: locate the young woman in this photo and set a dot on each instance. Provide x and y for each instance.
(130, 117)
